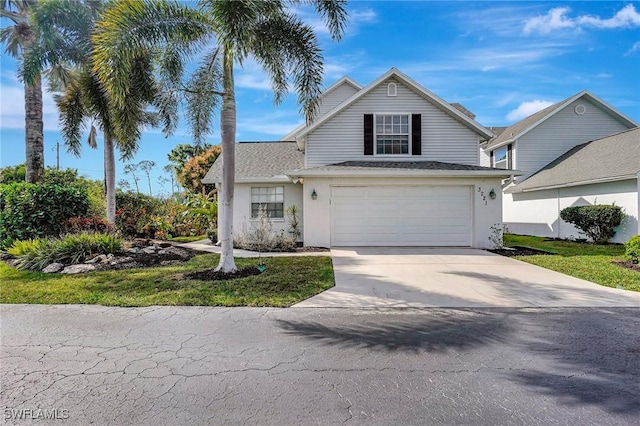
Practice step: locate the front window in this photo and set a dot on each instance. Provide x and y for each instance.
(392, 134)
(269, 198)
(501, 158)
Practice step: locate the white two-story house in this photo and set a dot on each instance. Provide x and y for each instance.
(579, 151)
(388, 164)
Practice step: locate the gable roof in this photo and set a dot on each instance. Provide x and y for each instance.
(260, 161)
(430, 96)
(522, 127)
(615, 157)
(343, 80)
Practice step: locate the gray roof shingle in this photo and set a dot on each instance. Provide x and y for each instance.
(609, 158)
(397, 165)
(515, 129)
(260, 160)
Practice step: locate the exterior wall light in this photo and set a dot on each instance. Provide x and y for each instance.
(492, 194)
(314, 194)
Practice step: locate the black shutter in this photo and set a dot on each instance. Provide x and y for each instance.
(368, 134)
(416, 134)
(492, 162)
(510, 156)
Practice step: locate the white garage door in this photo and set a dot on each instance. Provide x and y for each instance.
(401, 216)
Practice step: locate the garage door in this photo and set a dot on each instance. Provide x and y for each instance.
(401, 216)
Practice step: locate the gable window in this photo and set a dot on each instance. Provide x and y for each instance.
(270, 198)
(502, 158)
(392, 134)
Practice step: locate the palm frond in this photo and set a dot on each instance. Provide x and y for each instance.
(202, 94)
(72, 113)
(130, 26)
(334, 14)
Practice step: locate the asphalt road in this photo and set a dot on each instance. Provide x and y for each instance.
(193, 365)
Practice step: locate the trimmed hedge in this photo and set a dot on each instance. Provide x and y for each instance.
(598, 221)
(632, 249)
(30, 211)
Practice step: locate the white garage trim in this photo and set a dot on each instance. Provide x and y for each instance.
(401, 215)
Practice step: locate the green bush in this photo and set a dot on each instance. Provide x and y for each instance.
(632, 249)
(29, 210)
(598, 222)
(35, 255)
(135, 212)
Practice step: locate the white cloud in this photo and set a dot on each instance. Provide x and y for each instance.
(558, 18)
(12, 106)
(635, 48)
(525, 109)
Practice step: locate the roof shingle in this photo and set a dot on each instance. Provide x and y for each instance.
(260, 160)
(610, 158)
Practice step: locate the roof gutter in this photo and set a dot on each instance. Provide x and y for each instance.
(581, 183)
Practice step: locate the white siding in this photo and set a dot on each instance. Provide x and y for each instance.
(242, 206)
(485, 158)
(317, 213)
(538, 212)
(341, 137)
(562, 132)
(335, 97)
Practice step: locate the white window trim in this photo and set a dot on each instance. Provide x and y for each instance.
(375, 135)
(506, 160)
(392, 89)
(272, 219)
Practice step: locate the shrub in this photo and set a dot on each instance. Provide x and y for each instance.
(632, 249)
(261, 237)
(598, 222)
(212, 234)
(75, 225)
(29, 211)
(195, 168)
(35, 255)
(134, 213)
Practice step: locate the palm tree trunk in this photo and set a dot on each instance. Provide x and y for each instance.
(228, 133)
(34, 142)
(110, 179)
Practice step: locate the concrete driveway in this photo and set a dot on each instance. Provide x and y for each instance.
(430, 277)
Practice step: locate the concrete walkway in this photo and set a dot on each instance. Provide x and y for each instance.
(424, 277)
(206, 246)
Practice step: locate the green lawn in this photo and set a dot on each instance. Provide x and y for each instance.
(188, 239)
(286, 281)
(590, 262)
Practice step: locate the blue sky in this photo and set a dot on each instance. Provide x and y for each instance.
(501, 60)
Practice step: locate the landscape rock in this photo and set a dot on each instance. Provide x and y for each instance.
(140, 242)
(164, 244)
(53, 268)
(175, 251)
(134, 250)
(119, 260)
(5, 256)
(78, 269)
(98, 259)
(150, 250)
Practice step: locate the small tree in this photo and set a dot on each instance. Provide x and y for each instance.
(190, 177)
(146, 166)
(132, 169)
(598, 221)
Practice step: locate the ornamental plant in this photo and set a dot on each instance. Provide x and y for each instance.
(598, 222)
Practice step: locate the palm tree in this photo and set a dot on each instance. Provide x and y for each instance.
(64, 43)
(18, 38)
(266, 31)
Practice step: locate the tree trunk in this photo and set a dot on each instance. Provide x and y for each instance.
(228, 133)
(34, 142)
(110, 179)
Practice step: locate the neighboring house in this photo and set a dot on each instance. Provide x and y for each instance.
(541, 139)
(389, 164)
(604, 171)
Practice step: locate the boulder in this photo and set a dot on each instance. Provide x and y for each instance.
(134, 250)
(78, 269)
(150, 250)
(174, 251)
(98, 259)
(52, 268)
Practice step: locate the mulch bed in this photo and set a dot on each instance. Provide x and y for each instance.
(519, 251)
(212, 275)
(627, 264)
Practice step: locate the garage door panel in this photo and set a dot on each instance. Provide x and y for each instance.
(397, 216)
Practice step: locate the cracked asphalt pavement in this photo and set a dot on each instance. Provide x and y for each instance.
(200, 365)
